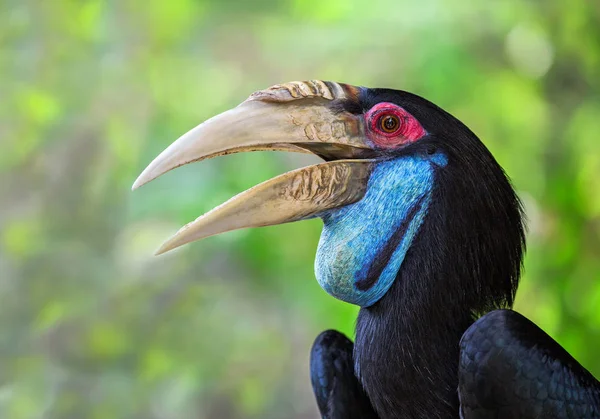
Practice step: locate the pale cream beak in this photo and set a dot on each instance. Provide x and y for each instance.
(297, 117)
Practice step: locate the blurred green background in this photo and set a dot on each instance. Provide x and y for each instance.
(94, 326)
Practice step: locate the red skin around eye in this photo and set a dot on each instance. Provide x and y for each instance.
(409, 129)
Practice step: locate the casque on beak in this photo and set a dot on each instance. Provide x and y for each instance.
(298, 117)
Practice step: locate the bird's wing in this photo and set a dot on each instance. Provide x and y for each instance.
(338, 391)
(510, 368)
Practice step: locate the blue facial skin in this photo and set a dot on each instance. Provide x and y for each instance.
(396, 202)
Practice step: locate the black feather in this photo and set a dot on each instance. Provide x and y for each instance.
(339, 394)
(510, 368)
(465, 261)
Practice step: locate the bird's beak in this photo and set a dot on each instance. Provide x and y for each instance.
(297, 116)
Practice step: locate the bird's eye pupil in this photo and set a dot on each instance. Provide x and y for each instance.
(431, 149)
(389, 123)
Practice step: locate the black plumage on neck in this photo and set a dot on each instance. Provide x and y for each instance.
(464, 261)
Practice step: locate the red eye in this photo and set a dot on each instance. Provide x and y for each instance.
(391, 126)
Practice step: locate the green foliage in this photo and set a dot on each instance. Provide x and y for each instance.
(94, 326)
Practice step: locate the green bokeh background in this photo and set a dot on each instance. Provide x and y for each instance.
(93, 326)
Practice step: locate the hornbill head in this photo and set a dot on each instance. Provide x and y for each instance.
(394, 162)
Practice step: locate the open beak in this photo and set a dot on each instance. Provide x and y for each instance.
(297, 117)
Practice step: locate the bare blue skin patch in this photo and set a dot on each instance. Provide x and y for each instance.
(362, 245)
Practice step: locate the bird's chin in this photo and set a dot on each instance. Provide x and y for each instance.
(294, 117)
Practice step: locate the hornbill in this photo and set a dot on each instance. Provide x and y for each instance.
(422, 229)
